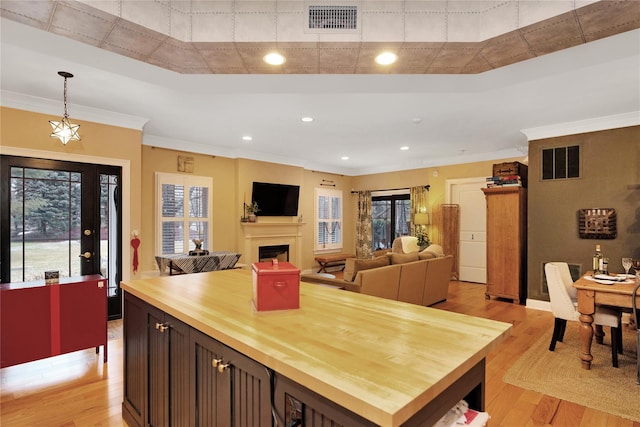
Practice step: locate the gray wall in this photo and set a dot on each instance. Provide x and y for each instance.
(610, 178)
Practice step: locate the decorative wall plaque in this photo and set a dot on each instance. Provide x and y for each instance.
(597, 223)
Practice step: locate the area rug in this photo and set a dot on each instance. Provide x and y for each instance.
(559, 374)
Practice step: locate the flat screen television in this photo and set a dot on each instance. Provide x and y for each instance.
(275, 199)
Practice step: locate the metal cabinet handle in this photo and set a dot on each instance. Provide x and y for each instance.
(222, 367)
(216, 362)
(162, 326)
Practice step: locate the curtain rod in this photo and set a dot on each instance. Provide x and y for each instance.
(427, 187)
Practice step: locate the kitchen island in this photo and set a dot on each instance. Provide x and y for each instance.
(197, 353)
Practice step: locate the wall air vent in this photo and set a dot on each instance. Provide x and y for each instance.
(333, 18)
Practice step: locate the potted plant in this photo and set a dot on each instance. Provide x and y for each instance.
(423, 238)
(252, 209)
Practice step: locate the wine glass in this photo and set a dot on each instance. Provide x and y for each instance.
(626, 264)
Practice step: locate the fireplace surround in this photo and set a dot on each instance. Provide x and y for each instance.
(262, 234)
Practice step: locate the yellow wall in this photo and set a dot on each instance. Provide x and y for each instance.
(435, 177)
(232, 181)
(220, 169)
(27, 133)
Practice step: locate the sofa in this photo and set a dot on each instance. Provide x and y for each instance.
(419, 277)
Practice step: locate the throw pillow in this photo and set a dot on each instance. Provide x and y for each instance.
(435, 250)
(366, 264)
(427, 255)
(404, 258)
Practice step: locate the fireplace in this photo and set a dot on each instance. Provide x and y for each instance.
(259, 235)
(279, 252)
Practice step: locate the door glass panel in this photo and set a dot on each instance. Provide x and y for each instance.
(45, 223)
(381, 217)
(109, 232)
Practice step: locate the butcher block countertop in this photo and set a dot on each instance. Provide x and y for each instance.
(381, 359)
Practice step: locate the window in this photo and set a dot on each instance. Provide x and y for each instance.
(391, 217)
(561, 162)
(183, 212)
(328, 221)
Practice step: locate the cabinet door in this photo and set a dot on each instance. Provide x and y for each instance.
(135, 349)
(83, 315)
(230, 388)
(250, 390)
(211, 389)
(168, 403)
(25, 334)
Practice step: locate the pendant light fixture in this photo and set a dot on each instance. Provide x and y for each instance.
(64, 130)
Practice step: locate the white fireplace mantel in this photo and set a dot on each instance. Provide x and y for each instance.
(258, 234)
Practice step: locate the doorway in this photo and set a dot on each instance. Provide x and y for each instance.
(468, 195)
(61, 216)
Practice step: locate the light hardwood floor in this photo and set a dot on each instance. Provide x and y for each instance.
(78, 390)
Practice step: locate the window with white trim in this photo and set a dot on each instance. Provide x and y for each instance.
(183, 212)
(328, 219)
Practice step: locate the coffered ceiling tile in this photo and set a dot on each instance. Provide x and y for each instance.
(344, 56)
(463, 27)
(208, 6)
(477, 65)
(181, 26)
(212, 27)
(252, 27)
(382, 27)
(506, 49)
(179, 55)
(111, 7)
(530, 12)
(425, 26)
(138, 41)
(498, 19)
(291, 28)
(82, 23)
(455, 55)
(418, 55)
(255, 6)
(252, 54)
(300, 56)
(150, 14)
(608, 18)
(219, 56)
(553, 34)
(35, 14)
(426, 7)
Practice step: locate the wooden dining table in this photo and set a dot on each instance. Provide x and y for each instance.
(592, 293)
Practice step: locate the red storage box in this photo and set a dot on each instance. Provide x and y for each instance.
(275, 286)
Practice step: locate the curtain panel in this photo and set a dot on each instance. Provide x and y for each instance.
(364, 225)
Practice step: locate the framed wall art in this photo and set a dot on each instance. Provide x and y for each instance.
(597, 223)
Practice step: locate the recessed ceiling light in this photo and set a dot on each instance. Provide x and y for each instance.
(247, 138)
(344, 158)
(307, 119)
(404, 148)
(274, 59)
(386, 58)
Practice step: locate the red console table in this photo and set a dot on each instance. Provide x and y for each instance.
(39, 320)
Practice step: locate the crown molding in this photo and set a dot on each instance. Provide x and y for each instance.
(583, 126)
(80, 112)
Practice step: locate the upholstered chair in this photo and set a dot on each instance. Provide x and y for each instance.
(563, 298)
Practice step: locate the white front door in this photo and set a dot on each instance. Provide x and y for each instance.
(468, 195)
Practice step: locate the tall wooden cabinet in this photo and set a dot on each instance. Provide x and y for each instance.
(506, 242)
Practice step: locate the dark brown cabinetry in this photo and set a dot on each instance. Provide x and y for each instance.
(177, 376)
(506, 242)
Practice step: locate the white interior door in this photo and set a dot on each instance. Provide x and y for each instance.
(473, 225)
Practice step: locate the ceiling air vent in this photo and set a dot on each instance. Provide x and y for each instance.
(333, 18)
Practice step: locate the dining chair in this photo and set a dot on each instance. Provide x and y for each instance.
(563, 298)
